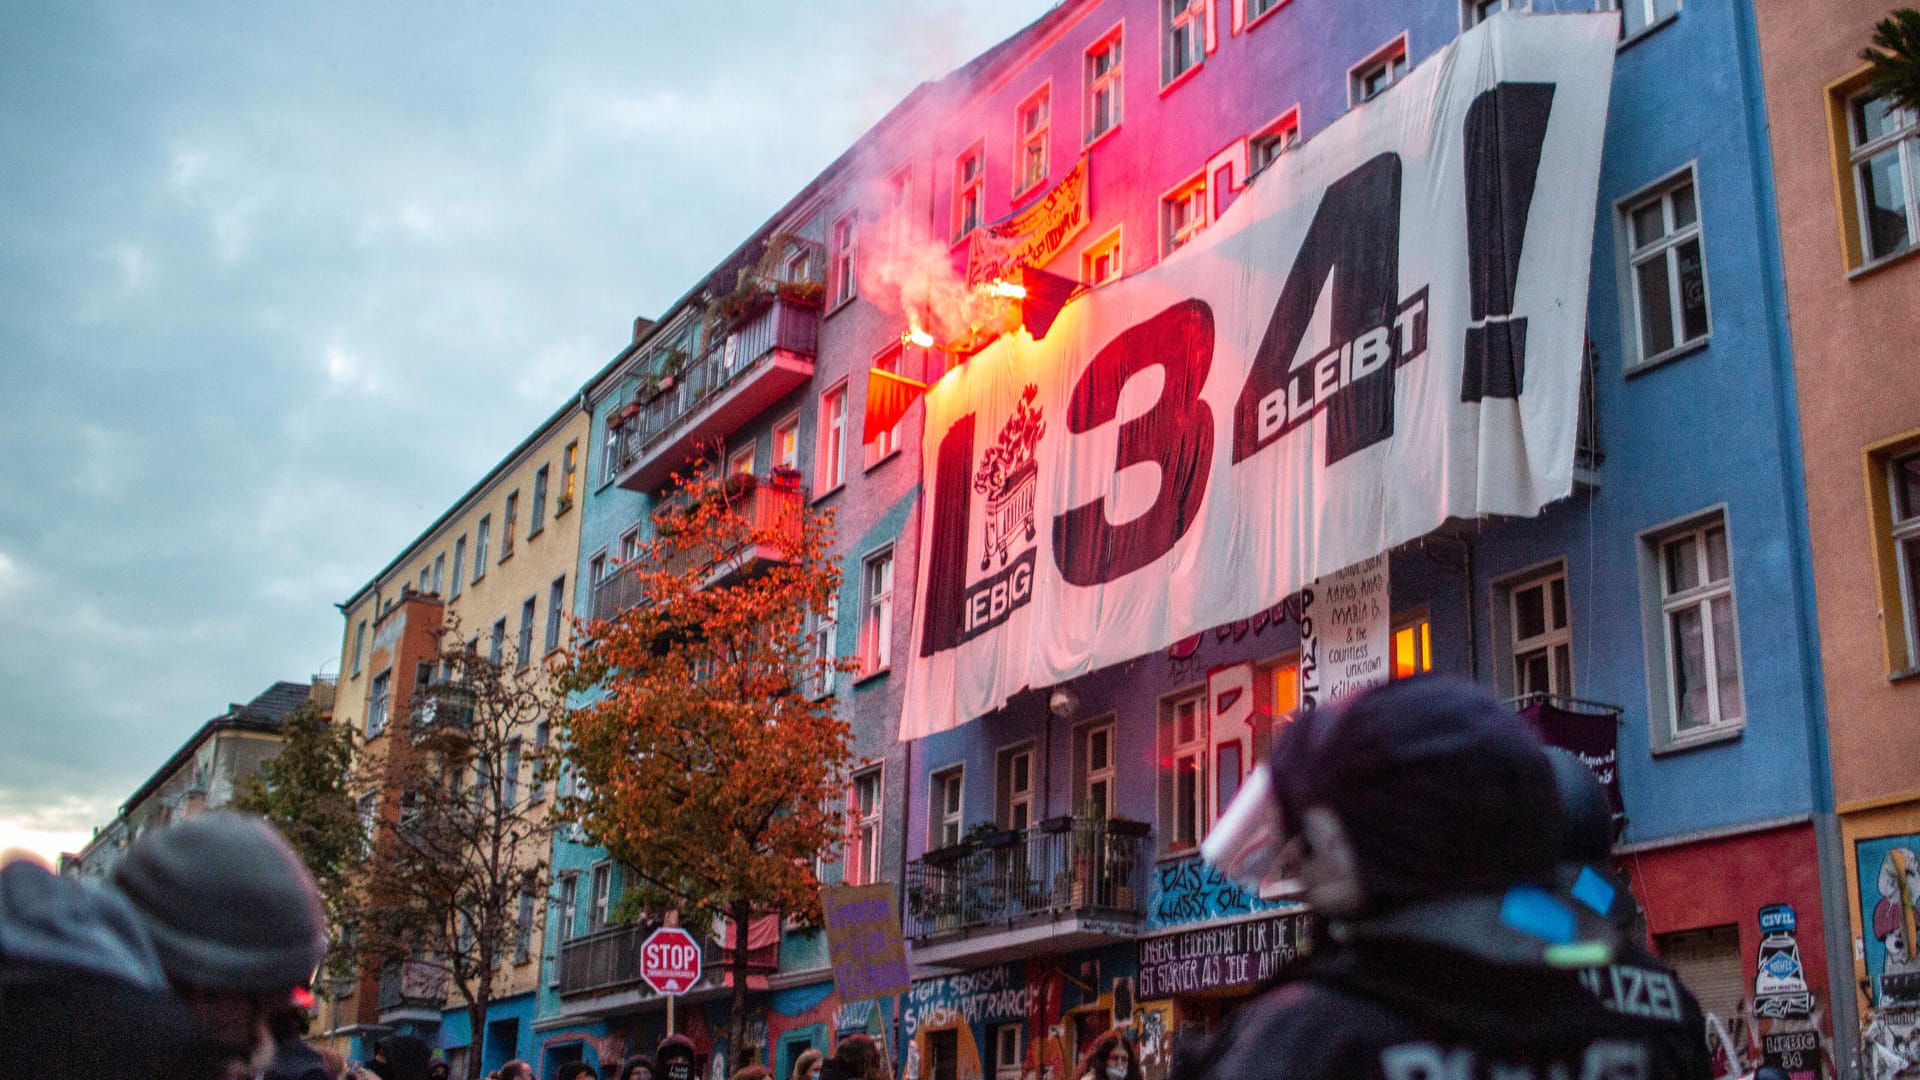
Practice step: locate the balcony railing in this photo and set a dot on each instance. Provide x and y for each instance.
(783, 327)
(442, 708)
(765, 504)
(609, 959)
(1067, 865)
(412, 985)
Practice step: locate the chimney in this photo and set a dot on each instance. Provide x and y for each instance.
(641, 324)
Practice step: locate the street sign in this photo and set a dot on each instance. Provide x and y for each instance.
(670, 960)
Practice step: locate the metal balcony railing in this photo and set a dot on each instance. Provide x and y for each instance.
(609, 959)
(1066, 865)
(783, 325)
(766, 504)
(442, 708)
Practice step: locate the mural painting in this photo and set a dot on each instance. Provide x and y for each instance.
(1889, 869)
(1037, 1017)
(1191, 891)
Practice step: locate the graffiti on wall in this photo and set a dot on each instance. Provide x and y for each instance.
(1889, 870)
(1191, 890)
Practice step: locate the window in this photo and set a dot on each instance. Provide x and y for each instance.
(602, 895)
(740, 462)
(1883, 151)
(511, 516)
(1183, 771)
(369, 810)
(824, 626)
(1100, 263)
(833, 438)
(1702, 640)
(630, 546)
(523, 646)
(439, 572)
(1103, 86)
(1475, 12)
(1266, 146)
(377, 703)
(876, 606)
(556, 610)
(569, 475)
(459, 564)
(969, 190)
(569, 906)
(359, 645)
(1541, 636)
(497, 647)
(1667, 270)
(1184, 44)
(1031, 125)
(1412, 646)
(840, 262)
(1638, 16)
(1894, 481)
(1377, 72)
(888, 441)
(511, 781)
(597, 570)
(422, 676)
(422, 587)
(1257, 8)
(536, 780)
(480, 548)
(786, 444)
(1016, 788)
(523, 930)
(1183, 214)
(1093, 751)
(539, 501)
(863, 806)
(1008, 1062)
(949, 796)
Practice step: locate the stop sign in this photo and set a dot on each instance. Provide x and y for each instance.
(670, 960)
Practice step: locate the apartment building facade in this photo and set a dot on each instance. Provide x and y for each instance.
(1845, 164)
(1664, 604)
(495, 573)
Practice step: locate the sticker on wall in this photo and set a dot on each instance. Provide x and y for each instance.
(1889, 892)
(1780, 985)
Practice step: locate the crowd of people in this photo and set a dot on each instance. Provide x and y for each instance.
(1466, 927)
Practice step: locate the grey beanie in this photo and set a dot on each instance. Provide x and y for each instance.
(228, 904)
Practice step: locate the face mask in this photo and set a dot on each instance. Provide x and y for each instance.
(1116, 1072)
(679, 1070)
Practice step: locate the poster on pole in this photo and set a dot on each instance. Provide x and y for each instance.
(864, 944)
(1384, 331)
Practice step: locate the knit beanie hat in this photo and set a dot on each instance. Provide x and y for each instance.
(1441, 790)
(227, 904)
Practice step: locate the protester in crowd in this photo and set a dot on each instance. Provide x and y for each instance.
(516, 1070)
(673, 1058)
(1111, 1057)
(752, 1072)
(293, 1059)
(1423, 824)
(439, 1069)
(576, 1070)
(857, 1057)
(807, 1065)
(401, 1057)
(637, 1067)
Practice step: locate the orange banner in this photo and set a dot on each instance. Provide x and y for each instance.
(1033, 236)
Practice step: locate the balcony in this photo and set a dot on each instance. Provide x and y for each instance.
(1076, 882)
(760, 361)
(608, 961)
(411, 991)
(442, 709)
(768, 505)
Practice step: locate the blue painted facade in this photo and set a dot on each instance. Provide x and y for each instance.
(1700, 433)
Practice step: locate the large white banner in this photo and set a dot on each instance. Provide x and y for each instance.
(1383, 331)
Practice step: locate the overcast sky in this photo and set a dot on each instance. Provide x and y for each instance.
(278, 282)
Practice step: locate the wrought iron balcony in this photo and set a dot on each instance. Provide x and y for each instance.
(970, 902)
(609, 960)
(766, 504)
(761, 360)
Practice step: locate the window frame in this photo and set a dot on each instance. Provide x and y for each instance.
(1507, 592)
(1112, 82)
(1189, 192)
(1633, 255)
(523, 642)
(1282, 132)
(556, 611)
(599, 895)
(1656, 605)
(458, 582)
(1417, 624)
(569, 477)
(876, 613)
(541, 478)
(1026, 139)
(1172, 752)
(1086, 775)
(536, 779)
(1471, 16)
(480, 537)
(891, 359)
(824, 650)
(1394, 59)
(1112, 244)
(843, 249)
(512, 759)
(831, 454)
(789, 424)
(1650, 11)
(1897, 571)
(1905, 141)
(969, 190)
(1008, 799)
(379, 701)
(497, 641)
(1251, 18)
(359, 647)
(1175, 16)
(523, 930)
(946, 821)
(866, 825)
(439, 573)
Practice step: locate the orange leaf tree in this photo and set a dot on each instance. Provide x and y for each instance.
(702, 761)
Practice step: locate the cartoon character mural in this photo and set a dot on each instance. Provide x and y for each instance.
(1890, 909)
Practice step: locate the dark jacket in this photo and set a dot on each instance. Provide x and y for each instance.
(1441, 992)
(293, 1059)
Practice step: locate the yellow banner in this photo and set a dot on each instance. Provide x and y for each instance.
(1033, 236)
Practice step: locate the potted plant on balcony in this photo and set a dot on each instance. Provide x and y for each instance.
(785, 476)
(803, 293)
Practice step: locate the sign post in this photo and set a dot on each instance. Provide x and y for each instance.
(670, 964)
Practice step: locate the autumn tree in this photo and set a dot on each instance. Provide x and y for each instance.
(304, 792)
(1896, 58)
(455, 877)
(706, 765)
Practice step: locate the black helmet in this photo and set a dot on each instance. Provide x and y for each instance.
(227, 904)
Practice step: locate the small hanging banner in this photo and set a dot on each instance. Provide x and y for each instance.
(1033, 236)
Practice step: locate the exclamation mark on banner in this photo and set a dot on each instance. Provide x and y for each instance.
(1506, 129)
